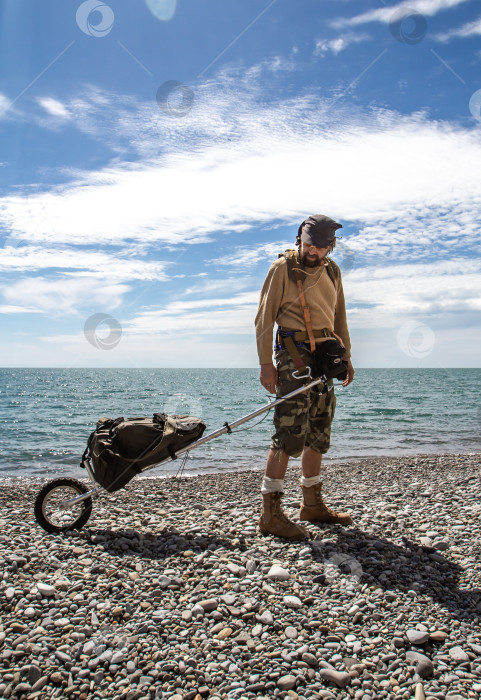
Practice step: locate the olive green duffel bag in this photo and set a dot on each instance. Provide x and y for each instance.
(121, 448)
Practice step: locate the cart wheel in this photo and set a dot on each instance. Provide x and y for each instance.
(51, 512)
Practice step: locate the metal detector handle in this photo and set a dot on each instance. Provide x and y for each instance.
(296, 374)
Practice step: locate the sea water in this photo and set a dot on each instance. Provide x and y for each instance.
(46, 415)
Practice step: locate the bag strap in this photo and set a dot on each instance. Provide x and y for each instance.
(112, 426)
(290, 346)
(307, 316)
(333, 271)
(169, 430)
(297, 273)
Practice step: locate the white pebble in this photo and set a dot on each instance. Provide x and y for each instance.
(277, 572)
(45, 589)
(292, 601)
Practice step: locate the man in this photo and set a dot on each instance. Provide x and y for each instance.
(303, 423)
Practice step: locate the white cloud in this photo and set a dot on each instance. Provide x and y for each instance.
(279, 163)
(407, 185)
(379, 297)
(218, 285)
(115, 266)
(384, 15)
(63, 296)
(249, 256)
(4, 104)
(338, 44)
(4, 309)
(277, 64)
(397, 292)
(54, 107)
(151, 335)
(222, 315)
(7, 110)
(466, 30)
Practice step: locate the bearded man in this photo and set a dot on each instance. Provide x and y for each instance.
(302, 423)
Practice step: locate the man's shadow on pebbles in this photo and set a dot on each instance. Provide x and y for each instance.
(169, 543)
(362, 558)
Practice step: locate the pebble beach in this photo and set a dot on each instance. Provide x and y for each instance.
(170, 591)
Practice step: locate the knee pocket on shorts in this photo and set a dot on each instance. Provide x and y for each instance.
(320, 446)
(292, 445)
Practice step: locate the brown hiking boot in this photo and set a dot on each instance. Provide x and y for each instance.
(274, 521)
(315, 510)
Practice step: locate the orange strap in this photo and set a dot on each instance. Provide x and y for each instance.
(307, 315)
(337, 338)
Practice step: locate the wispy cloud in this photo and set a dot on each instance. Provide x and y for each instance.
(384, 15)
(54, 107)
(4, 102)
(249, 256)
(60, 296)
(233, 284)
(9, 309)
(338, 44)
(233, 314)
(404, 186)
(266, 163)
(394, 293)
(399, 291)
(115, 265)
(465, 31)
(7, 111)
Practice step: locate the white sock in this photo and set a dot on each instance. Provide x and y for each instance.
(272, 485)
(308, 481)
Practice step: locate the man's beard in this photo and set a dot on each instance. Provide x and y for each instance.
(310, 263)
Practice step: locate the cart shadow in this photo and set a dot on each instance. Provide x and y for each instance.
(363, 558)
(169, 543)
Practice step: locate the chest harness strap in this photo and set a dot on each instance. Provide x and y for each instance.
(297, 273)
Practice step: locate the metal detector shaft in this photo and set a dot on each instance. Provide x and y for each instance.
(227, 427)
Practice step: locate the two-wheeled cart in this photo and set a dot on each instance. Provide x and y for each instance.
(66, 504)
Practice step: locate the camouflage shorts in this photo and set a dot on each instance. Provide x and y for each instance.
(304, 420)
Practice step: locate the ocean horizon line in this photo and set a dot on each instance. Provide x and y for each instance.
(357, 367)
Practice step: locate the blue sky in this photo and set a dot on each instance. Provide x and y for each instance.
(156, 156)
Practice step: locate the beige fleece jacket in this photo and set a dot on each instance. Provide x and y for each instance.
(279, 303)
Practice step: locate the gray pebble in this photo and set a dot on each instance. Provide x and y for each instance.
(458, 654)
(340, 678)
(40, 684)
(278, 573)
(424, 665)
(197, 611)
(309, 659)
(287, 682)
(292, 601)
(34, 673)
(417, 636)
(266, 618)
(125, 590)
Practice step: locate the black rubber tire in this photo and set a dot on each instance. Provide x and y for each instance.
(82, 510)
